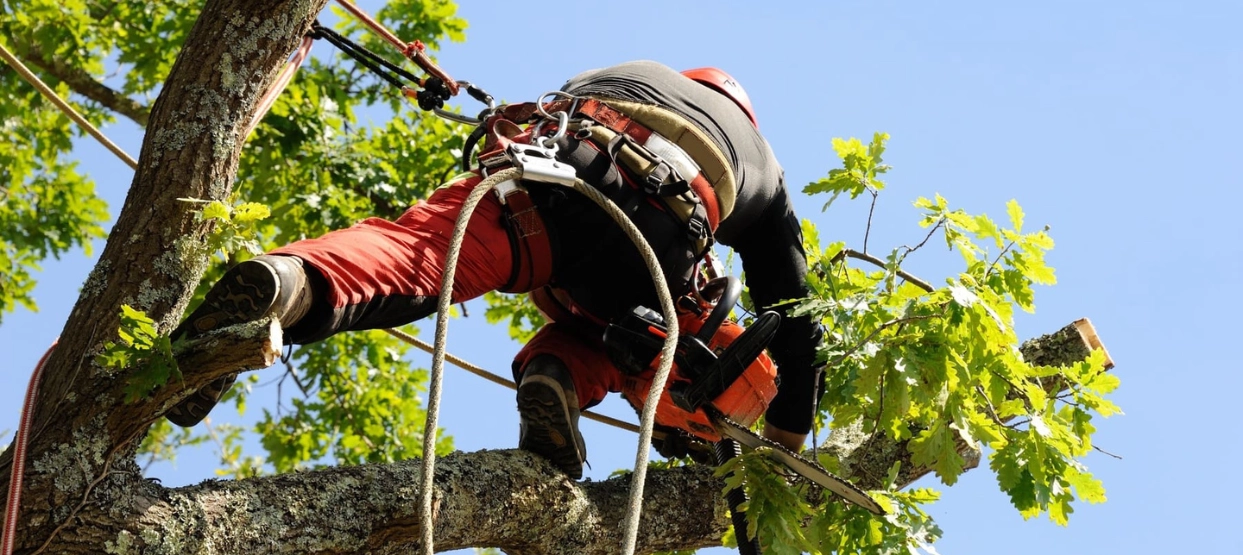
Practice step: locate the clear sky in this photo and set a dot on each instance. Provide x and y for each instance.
(1115, 123)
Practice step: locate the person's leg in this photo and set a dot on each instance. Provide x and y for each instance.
(562, 370)
(375, 274)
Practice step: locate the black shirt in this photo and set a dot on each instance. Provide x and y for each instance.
(762, 228)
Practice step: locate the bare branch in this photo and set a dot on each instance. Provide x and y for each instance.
(82, 82)
(871, 210)
(851, 253)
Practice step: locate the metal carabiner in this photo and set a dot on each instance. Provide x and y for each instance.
(476, 93)
(539, 103)
(563, 122)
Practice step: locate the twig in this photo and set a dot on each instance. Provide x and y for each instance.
(1019, 424)
(880, 409)
(211, 432)
(871, 210)
(349, 415)
(998, 259)
(910, 278)
(987, 403)
(1095, 448)
(298, 381)
(934, 229)
(879, 329)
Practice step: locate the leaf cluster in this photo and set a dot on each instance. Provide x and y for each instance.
(319, 161)
(142, 350)
(936, 370)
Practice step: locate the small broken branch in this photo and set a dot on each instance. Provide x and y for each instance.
(866, 457)
(851, 253)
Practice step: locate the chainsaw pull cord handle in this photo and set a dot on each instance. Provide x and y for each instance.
(731, 290)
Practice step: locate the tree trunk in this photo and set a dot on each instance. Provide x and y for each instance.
(83, 436)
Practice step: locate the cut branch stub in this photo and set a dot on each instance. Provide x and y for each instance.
(865, 458)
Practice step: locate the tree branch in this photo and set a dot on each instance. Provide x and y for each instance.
(509, 499)
(851, 253)
(82, 82)
(866, 458)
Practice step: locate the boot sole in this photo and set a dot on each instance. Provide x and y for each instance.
(549, 433)
(247, 295)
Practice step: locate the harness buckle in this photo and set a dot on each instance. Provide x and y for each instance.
(504, 188)
(539, 163)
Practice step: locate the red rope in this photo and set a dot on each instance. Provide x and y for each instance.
(282, 81)
(13, 504)
(414, 50)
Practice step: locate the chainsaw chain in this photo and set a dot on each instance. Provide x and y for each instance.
(792, 460)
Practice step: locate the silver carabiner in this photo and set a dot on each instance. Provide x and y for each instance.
(563, 121)
(483, 97)
(539, 103)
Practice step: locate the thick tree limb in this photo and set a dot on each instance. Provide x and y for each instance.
(866, 458)
(509, 499)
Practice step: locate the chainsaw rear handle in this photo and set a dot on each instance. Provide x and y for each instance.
(731, 291)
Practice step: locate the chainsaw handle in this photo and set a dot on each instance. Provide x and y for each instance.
(731, 290)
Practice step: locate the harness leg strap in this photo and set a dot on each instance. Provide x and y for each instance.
(529, 237)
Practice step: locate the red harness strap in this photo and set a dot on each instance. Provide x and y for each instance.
(533, 262)
(621, 123)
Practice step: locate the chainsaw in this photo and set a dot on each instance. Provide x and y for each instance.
(722, 380)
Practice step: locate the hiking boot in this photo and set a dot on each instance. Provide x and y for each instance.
(257, 288)
(548, 406)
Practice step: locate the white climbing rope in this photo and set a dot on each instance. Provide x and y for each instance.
(648, 418)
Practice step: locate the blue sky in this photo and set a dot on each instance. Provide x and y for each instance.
(1115, 123)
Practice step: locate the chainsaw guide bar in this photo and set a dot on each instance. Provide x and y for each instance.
(799, 464)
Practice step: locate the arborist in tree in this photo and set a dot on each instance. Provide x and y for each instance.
(680, 153)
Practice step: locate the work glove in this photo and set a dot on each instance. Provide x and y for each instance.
(678, 444)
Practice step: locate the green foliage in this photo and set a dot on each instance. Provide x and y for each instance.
(862, 166)
(931, 368)
(235, 227)
(934, 368)
(163, 441)
(144, 351)
(524, 319)
(47, 208)
(371, 413)
(316, 163)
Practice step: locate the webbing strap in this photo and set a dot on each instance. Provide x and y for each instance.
(621, 123)
(532, 266)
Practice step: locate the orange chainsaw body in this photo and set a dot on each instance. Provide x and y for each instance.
(744, 401)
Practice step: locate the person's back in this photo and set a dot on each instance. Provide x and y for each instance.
(381, 273)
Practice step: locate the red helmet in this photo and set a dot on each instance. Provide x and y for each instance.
(726, 85)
